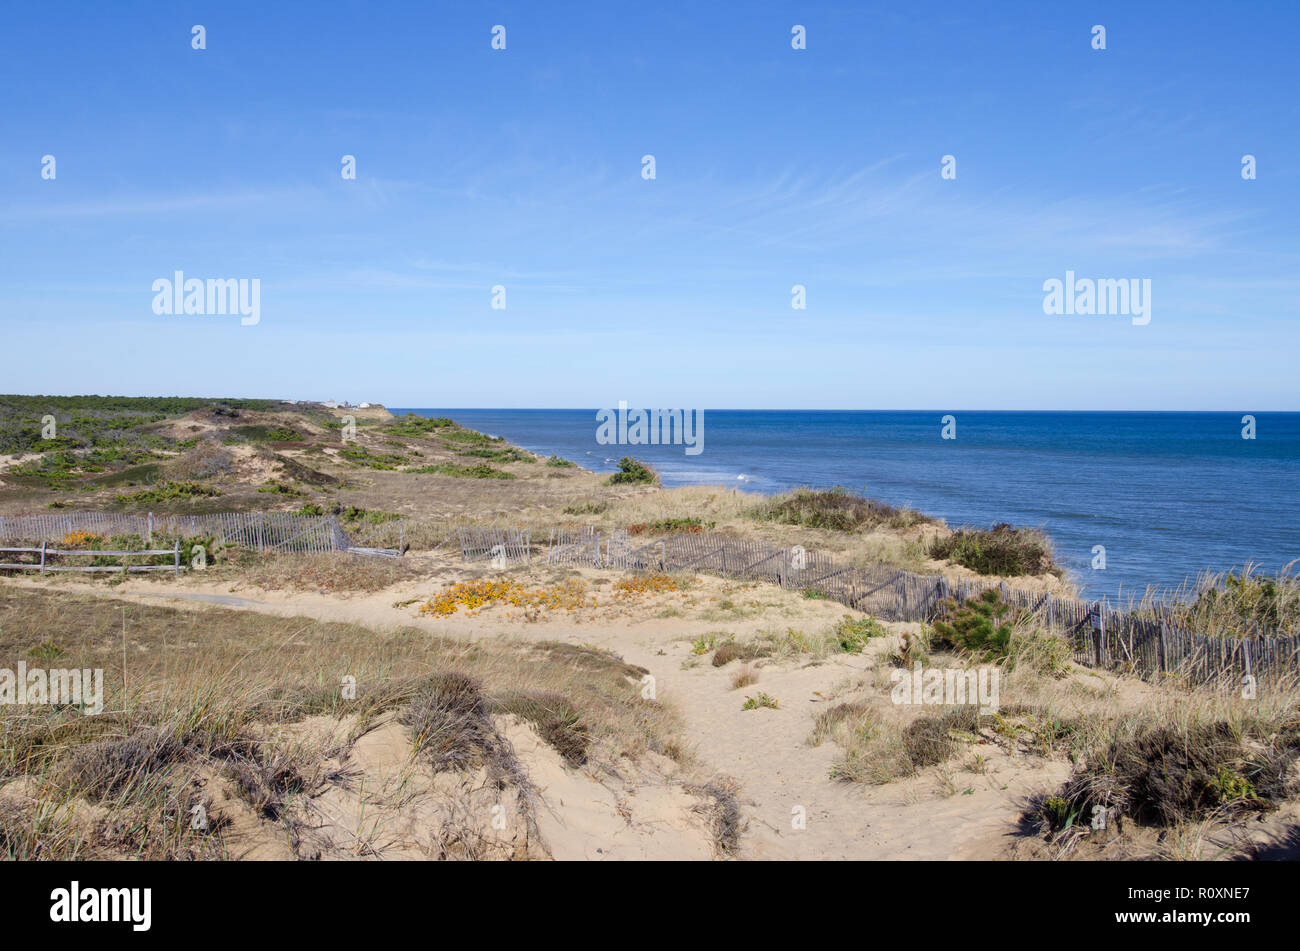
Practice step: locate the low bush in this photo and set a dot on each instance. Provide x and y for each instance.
(980, 625)
(851, 634)
(1000, 550)
(414, 427)
(1169, 773)
(670, 526)
(836, 510)
(169, 492)
(633, 472)
(480, 471)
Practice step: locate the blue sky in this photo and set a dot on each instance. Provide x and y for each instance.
(774, 167)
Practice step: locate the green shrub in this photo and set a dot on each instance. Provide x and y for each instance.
(633, 472)
(259, 433)
(1164, 774)
(279, 488)
(463, 437)
(980, 625)
(851, 634)
(481, 471)
(382, 460)
(836, 510)
(169, 492)
(353, 514)
(509, 454)
(414, 427)
(47, 650)
(1000, 550)
(189, 544)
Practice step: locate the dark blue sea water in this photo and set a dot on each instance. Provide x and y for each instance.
(1167, 494)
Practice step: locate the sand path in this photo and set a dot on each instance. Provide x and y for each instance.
(953, 815)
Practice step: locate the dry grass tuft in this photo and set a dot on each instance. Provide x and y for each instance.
(723, 811)
(744, 677)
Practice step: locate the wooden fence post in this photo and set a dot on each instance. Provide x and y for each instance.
(43, 557)
(1098, 635)
(176, 554)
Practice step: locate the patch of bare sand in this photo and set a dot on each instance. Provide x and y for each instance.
(254, 467)
(591, 813)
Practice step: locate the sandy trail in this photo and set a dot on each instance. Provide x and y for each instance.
(765, 752)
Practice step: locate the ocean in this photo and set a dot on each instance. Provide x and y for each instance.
(1168, 495)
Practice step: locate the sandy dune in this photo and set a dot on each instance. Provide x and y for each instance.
(764, 754)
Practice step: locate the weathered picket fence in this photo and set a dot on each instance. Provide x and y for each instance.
(1146, 639)
(263, 532)
(502, 547)
(46, 554)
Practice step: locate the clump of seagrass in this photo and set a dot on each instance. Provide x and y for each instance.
(450, 723)
(722, 809)
(929, 740)
(556, 720)
(590, 659)
(731, 650)
(107, 768)
(1165, 775)
(266, 780)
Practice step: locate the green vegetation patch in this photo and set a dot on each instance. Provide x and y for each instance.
(1000, 550)
(981, 625)
(1164, 774)
(670, 526)
(510, 454)
(372, 460)
(415, 427)
(260, 433)
(84, 422)
(481, 471)
(851, 634)
(169, 492)
(459, 438)
(633, 472)
(836, 510)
